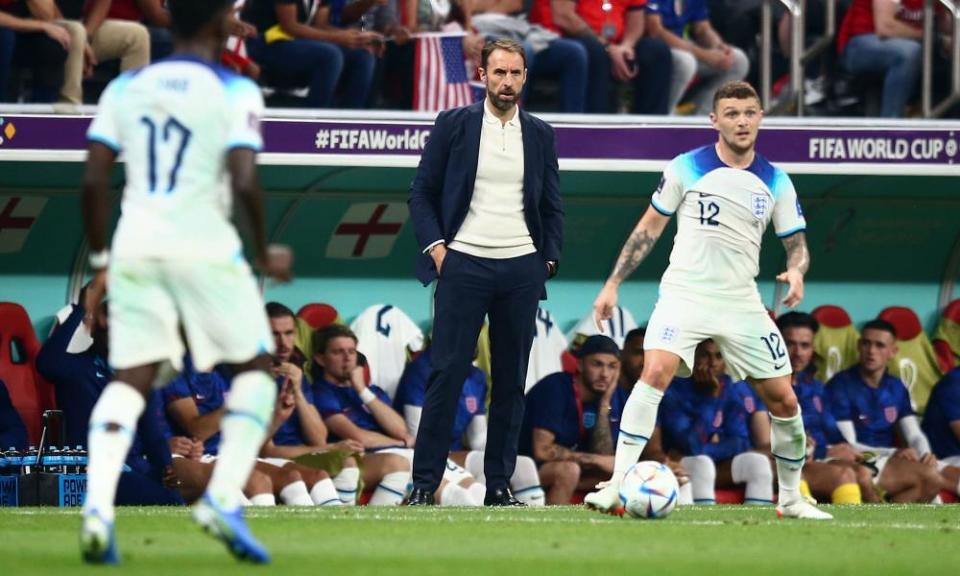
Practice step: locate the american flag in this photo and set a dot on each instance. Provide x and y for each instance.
(440, 73)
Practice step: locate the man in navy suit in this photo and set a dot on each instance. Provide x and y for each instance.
(486, 209)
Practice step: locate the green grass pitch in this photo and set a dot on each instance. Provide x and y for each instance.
(706, 541)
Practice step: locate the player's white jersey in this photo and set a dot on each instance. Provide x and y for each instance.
(722, 213)
(174, 122)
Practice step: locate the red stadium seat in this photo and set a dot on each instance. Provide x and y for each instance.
(29, 393)
(904, 320)
(318, 315)
(835, 344)
(832, 316)
(946, 342)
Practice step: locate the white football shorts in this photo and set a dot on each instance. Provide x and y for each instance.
(748, 338)
(217, 304)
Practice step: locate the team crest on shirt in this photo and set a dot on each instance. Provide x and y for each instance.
(890, 413)
(589, 419)
(749, 405)
(669, 334)
(718, 419)
(817, 404)
(471, 403)
(759, 203)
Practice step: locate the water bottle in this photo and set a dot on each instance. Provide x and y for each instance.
(67, 460)
(28, 462)
(13, 461)
(81, 460)
(54, 460)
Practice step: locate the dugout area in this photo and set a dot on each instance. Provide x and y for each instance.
(880, 198)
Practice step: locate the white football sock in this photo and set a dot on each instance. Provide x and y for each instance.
(636, 425)
(324, 493)
(249, 407)
(478, 492)
(113, 424)
(262, 500)
(685, 497)
(296, 494)
(525, 482)
(788, 442)
(703, 478)
(473, 463)
(455, 495)
(753, 469)
(347, 482)
(391, 490)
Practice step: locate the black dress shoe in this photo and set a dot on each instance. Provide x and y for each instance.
(501, 497)
(420, 497)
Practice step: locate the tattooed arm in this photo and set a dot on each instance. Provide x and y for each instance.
(637, 247)
(798, 262)
(546, 449)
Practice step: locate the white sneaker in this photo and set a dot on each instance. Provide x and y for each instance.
(606, 499)
(803, 510)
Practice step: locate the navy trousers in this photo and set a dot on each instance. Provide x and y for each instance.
(469, 289)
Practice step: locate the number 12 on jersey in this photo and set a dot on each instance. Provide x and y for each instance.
(173, 137)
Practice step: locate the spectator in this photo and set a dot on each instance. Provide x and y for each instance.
(566, 424)
(353, 410)
(469, 429)
(704, 54)
(298, 46)
(831, 471)
(619, 50)
(444, 15)
(393, 81)
(548, 55)
(941, 423)
(95, 38)
(870, 405)
(30, 39)
(706, 415)
(883, 37)
(154, 16)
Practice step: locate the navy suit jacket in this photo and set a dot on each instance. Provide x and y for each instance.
(441, 192)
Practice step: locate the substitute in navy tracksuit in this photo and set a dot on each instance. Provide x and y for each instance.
(487, 189)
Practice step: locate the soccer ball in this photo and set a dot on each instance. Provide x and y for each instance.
(649, 490)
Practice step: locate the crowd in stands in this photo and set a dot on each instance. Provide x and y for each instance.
(604, 56)
(349, 399)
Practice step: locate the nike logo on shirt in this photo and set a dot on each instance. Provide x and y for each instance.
(779, 366)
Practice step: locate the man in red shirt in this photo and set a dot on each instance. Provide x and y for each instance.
(884, 37)
(619, 52)
(153, 15)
